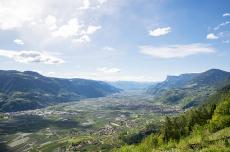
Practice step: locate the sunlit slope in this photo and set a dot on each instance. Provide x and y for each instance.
(190, 89)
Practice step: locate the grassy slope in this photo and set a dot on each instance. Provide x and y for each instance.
(200, 140)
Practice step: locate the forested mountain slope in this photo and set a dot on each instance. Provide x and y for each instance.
(30, 90)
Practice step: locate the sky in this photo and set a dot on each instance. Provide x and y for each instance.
(135, 40)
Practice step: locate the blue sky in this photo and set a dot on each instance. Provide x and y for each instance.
(139, 40)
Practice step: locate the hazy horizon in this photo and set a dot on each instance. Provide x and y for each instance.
(137, 81)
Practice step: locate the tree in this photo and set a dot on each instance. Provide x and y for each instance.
(221, 117)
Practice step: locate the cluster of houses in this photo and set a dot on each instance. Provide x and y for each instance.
(39, 112)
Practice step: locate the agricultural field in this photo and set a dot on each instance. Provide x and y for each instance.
(87, 125)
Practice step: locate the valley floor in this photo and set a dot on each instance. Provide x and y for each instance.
(88, 125)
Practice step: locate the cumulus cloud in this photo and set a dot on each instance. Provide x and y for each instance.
(31, 56)
(176, 51)
(49, 19)
(221, 25)
(77, 31)
(14, 14)
(160, 31)
(68, 30)
(18, 41)
(212, 36)
(108, 70)
(226, 14)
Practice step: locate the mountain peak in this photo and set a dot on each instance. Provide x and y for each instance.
(181, 76)
(32, 73)
(215, 71)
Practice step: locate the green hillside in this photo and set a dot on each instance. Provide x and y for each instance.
(206, 129)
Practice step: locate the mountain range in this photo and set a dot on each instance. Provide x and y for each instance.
(30, 90)
(131, 85)
(189, 89)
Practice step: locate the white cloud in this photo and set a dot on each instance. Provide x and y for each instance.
(212, 36)
(226, 14)
(47, 20)
(176, 51)
(108, 70)
(82, 39)
(31, 56)
(160, 31)
(86, 4)
(50, 21)
(18, 41)
(92, 29)
(78, 32)
(15, 13)
(68, 30)
(221, 25)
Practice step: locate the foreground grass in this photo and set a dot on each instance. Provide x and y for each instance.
(199, 140)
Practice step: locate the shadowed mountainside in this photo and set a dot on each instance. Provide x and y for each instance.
(30, 90)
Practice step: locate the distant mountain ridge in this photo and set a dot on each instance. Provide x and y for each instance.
(30, 90)
(190, 89)
(131, 85)
(171, 82)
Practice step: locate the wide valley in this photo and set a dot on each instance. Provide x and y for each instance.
(89, 124)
